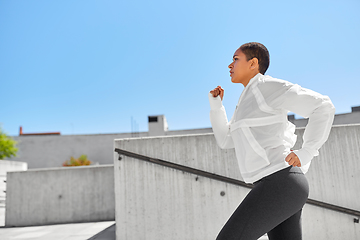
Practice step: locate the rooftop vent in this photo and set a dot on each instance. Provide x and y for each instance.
(157, 125)
(355, 109)
(153, 119)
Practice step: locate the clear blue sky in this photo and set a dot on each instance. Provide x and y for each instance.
(87, 67)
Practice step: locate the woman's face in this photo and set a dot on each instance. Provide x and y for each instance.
(240, 68)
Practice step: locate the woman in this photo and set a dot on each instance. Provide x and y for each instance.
(263, 137)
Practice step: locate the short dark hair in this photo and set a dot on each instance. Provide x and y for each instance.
(259, 51)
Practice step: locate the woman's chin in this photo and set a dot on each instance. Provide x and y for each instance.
(233, 80)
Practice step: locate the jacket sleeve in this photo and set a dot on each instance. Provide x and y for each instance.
(320, 112)
(220, 124)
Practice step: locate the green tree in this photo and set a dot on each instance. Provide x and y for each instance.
(8, 147)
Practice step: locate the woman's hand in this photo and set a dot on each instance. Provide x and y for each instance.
(293, 160)
(218, 91)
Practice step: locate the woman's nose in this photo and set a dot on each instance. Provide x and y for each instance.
(230, 65)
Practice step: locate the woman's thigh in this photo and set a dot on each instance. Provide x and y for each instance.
(274, 199)
(288, 229)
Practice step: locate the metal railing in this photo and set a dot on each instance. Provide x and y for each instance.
(227, 180)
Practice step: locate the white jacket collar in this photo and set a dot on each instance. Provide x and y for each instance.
(254, 79)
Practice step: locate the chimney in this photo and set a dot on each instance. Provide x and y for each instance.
(157, 125)
(20, 131)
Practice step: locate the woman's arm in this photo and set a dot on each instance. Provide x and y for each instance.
(320, 111)
(219, 119)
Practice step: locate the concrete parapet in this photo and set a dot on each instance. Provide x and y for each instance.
(148, 192)
(5, 167)
(60, 195)
(334, 176)
(155, 202)
(198, 151)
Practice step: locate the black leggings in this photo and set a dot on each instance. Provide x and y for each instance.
(273, 206)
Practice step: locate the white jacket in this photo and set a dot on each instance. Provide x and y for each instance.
(260, 131)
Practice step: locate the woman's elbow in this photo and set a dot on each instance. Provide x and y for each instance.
(328, 105)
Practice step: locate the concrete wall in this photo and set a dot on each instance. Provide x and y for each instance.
(52, 150)
(334, 176)
(155, 202)
(60, 195)
(196, 151)
(7, 166)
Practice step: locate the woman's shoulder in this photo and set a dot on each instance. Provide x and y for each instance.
(270, 84)
(271, 81)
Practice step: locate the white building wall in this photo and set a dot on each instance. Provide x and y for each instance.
(52, 150)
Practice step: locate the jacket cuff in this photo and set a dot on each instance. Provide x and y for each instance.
(215, 102)
(304, 156)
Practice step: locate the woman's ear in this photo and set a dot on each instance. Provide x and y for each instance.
(254, 63)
